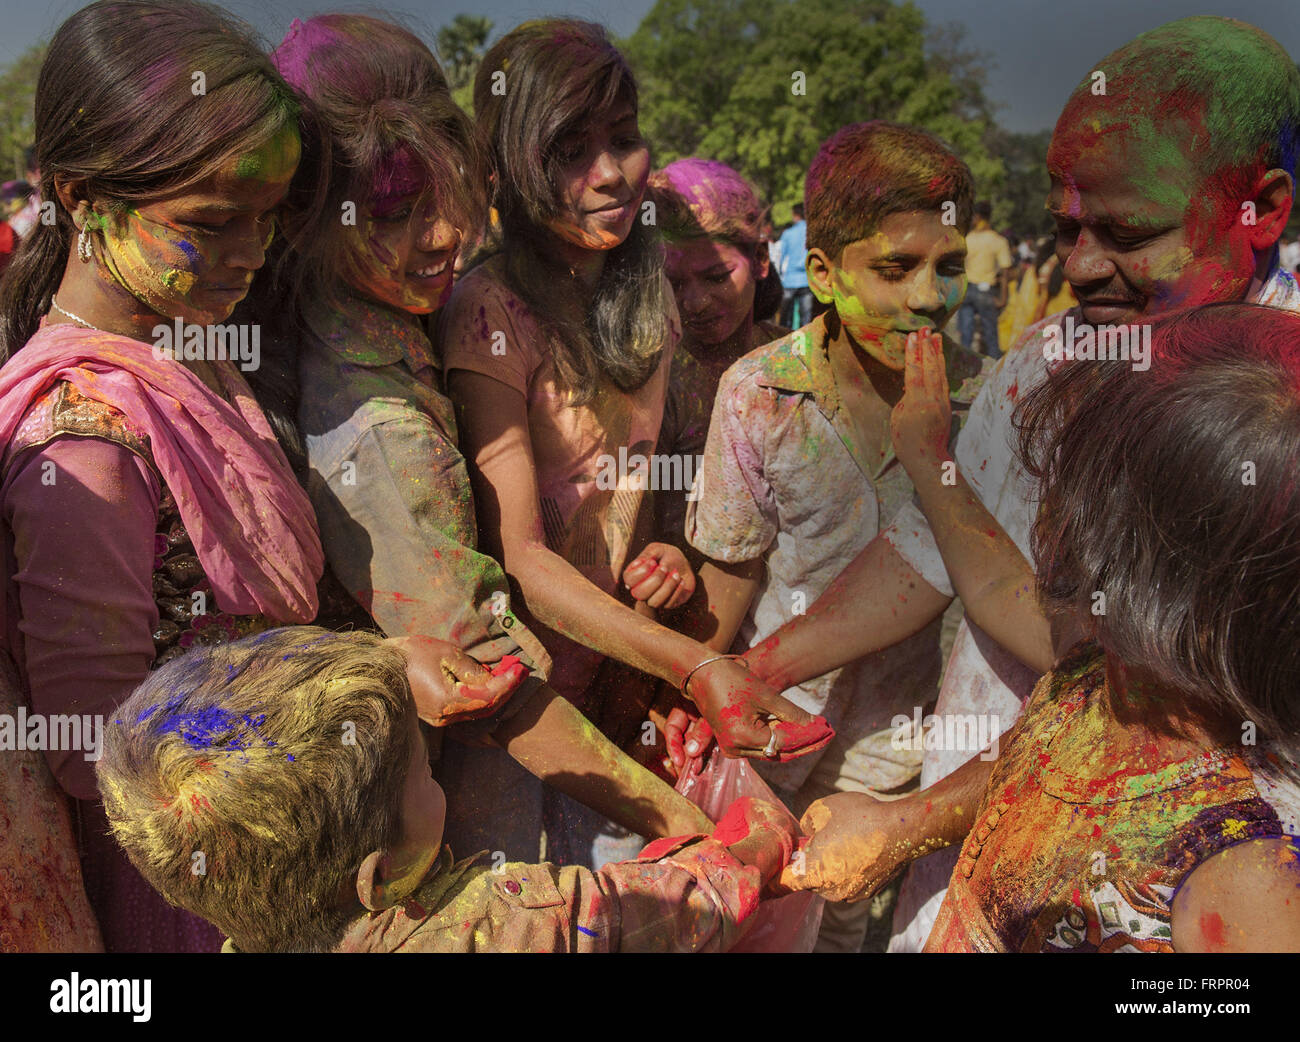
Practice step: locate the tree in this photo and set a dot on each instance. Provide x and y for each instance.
(17, 118)
(1019, 205)
(461, 46)
(759, 84)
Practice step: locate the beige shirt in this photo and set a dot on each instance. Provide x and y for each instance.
(688, 894)
(783, 480)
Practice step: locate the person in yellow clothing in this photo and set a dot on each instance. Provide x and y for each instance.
(1040, 291)
(988, 262)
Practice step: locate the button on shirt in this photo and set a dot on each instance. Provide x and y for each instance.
(391, 489)
(782, 479)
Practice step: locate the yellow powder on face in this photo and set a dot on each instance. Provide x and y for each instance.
(179, 281)
(1171, 265)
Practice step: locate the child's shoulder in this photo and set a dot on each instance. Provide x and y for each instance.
(485, 282)
(776, 364)
(1241, 899)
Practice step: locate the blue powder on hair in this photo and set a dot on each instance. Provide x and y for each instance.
(210, 726)
(147, 713)
(204, 728)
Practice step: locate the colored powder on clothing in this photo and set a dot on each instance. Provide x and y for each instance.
(734, 825)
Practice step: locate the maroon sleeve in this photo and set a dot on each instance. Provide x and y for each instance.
(83, 512)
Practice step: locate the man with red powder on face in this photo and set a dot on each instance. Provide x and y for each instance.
(1173, 175)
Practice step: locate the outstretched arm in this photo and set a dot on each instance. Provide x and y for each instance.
(877, 601)
(495, 432)
(859, 843)
(553, 740)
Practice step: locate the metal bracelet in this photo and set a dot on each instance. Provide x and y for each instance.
(701, 665)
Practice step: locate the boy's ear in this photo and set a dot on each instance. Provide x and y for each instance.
(821, 272)
(381, 884)
(762, 262)
(373, 879)
(1273, 198)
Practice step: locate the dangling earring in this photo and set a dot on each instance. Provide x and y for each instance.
(90, 222)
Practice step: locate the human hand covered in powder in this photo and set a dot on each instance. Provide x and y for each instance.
(921, 421)
(849, 855)
(688, 737)
(660, 577)
(751, 719)
(765, 830)
(450, 687)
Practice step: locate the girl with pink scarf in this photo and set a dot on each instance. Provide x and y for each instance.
(145, 505)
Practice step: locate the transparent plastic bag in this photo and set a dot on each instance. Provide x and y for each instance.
(781, 924)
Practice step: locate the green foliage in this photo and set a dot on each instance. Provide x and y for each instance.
(1019, 205)
(461, 46)
(17, 93)
(718, 80)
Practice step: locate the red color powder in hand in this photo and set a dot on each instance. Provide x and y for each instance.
(734, 825)
(507, 663)
(800, 739)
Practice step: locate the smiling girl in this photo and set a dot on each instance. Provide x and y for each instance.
(558, 351)
(390, 486)
(146, 505)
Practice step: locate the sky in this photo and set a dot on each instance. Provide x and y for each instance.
(1039, 48)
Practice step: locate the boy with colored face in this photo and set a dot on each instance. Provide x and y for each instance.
(1170, 189)
(799, 470)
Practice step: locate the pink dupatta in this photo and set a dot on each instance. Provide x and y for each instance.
(252, 526)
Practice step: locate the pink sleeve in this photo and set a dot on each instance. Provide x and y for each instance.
(488, 330)
(83, 512)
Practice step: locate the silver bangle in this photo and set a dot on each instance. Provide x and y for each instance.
(701, 665)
